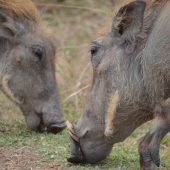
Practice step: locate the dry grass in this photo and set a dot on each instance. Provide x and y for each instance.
(74, 25)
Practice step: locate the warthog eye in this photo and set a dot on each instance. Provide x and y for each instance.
(93, 49)
(38, 51)
(97, 51)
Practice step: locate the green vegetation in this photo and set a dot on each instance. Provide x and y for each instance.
(52, 150)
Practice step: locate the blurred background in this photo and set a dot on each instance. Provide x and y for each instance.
(74, 24)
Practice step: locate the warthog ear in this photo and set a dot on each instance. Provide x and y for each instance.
(7, 26)
(128, 22)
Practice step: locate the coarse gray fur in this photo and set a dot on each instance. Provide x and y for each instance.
(27, 73)
(133, 59)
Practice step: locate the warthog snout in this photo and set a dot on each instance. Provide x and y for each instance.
(56, 127)
(45, 116)
(76, 155)
(36, 122)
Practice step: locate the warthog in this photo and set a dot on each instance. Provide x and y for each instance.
(27, 73)
(131, 85)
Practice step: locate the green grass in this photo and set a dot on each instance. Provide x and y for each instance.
(56, 148)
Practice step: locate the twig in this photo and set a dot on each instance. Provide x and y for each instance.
(83, 72)
(75, 93)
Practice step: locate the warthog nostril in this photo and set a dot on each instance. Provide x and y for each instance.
(56, 127)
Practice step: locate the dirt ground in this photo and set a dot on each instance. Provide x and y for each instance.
(24, 159)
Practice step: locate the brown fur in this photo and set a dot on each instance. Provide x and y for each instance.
(20, 9)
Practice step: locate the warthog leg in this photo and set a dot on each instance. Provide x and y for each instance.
(150, 144)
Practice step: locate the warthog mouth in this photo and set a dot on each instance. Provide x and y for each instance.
(56, 127)
(77, 155)
(51, 128)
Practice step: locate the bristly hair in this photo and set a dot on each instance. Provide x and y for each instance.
(152, 11)
(120, 3)
(20, 9)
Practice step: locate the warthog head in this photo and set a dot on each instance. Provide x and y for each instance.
(27, 72)
(115, 104)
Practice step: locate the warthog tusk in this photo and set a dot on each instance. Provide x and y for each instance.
(7, 90)
(74, 137)
(70, 127)
(71, 131)
(112, 107)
